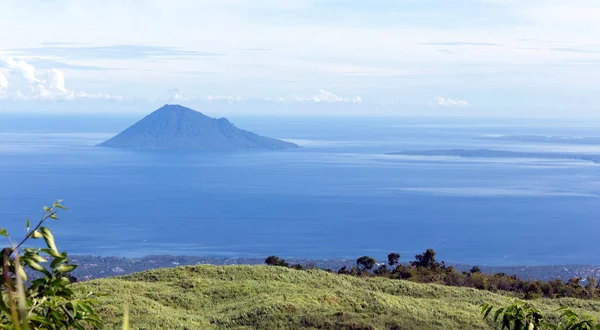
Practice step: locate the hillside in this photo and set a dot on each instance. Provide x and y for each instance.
(181, 128)
(262, 297)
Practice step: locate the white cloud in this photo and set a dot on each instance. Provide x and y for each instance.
(3, 82)
(176, 95)
(51, 88)
(447, 102)
(322, 96)
(22, 68)
(230, 99)
(56, 81)
(326, 96)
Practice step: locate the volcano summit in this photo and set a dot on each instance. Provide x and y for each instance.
(180, 128)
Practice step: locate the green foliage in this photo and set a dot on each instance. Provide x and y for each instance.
(519, 315)
(426, 259)
(276, 261)
(393, 259)
(366, 263)
(263, 297)
(49, 301)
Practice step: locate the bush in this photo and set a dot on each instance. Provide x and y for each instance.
(275, 261)
(519, 315)
(49, 301)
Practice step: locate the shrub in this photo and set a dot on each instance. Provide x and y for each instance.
(49, 301)
(276, 261)
(519, 315)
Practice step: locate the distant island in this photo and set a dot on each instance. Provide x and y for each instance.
(180, 128)
(545, 139)
(487, 153)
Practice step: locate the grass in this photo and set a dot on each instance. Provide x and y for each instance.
(262, 297)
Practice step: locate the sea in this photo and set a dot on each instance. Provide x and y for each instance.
(339, 196)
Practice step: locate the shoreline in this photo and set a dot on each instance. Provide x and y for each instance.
(93, 267)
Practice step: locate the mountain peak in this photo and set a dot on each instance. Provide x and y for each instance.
(173, 126)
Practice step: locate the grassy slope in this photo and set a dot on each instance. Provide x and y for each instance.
(250, 297)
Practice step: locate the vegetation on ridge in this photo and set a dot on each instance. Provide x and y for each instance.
(264, 297)
(250, 297)
(426, 269)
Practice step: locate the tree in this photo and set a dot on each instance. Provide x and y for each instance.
(474, 270)
(393, 259)
(426, 259)
(275, 261)
(49, 301)
(365, 263)
(382, 271)
(297, 267)
(591, 287)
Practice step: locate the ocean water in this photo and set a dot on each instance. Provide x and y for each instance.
(340, 196)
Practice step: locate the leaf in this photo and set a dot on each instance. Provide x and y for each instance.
(497, 314)
(27, 224)
(52, 253)
(46, 209)
(65, 268)
(3, 232)
(36, 257)
(49, 238)
(60, 206)
(36, 234)
(31, 263)
(53, 216)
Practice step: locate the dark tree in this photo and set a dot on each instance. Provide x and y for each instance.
(475, 269)
(366, 262)
(393, 259)
(297, 267)
(275, 261)
(426, 259)
(382, 271)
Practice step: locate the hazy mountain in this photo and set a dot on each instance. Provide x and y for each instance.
(178, 127)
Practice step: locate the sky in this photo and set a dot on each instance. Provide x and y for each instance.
(342, 57)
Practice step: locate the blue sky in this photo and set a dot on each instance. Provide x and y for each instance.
(467, 57)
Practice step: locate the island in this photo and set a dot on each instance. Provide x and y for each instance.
(488, 153)
(176, 127)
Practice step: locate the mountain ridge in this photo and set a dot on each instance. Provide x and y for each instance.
(173, 126)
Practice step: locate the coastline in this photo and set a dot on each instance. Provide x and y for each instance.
(92, 267)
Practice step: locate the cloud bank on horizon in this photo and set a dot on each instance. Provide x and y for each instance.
(465, 56)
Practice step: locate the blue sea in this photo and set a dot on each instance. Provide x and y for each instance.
(340, 196)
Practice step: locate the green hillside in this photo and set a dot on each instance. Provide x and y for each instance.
(262, 297)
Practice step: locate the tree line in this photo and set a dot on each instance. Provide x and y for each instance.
(426, 269)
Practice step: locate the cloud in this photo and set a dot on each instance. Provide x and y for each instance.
(575, 50)
(114, 52)
(229, 99)
(27, 71)
(56, 81)
(322, 96)
(326, 96)
(460, 43)
(51, 87)
(3, 85)
(44, 63)
(176, 95)
(3, 82)
(447, 102)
